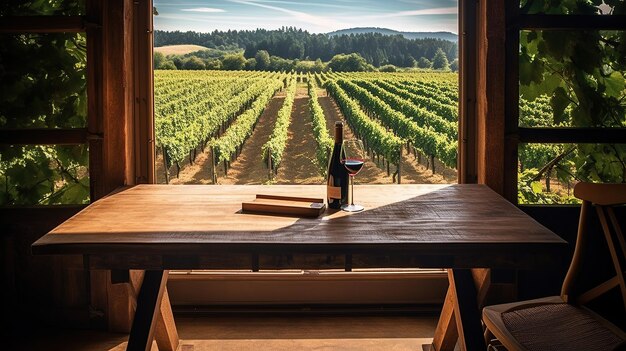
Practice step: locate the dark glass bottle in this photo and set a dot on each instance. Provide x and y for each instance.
(337, 181)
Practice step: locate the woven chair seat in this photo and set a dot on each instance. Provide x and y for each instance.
(559, 327)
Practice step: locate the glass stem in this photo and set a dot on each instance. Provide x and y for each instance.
(352, 190)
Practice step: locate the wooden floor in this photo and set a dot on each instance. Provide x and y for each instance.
(261, 333)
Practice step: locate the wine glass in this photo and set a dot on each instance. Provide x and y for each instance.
(353, 157)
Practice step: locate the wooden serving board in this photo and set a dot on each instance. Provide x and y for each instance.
(285, 205)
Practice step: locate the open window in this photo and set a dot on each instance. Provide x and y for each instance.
(565, 99)
(240, 105)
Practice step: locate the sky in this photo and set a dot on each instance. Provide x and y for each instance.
(316, 16)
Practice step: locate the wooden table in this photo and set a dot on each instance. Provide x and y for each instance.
(157, 228)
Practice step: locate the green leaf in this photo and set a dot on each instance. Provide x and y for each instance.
(614, 85)
(537, 187)
(559, 102)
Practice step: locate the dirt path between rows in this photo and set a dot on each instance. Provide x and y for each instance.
(411, 171)
(299, 165)
(249, 167)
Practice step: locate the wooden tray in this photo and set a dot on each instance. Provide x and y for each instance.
(285, 205)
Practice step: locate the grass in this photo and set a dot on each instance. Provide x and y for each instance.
(178, 49)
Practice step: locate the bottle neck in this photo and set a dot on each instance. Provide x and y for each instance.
(338, 135)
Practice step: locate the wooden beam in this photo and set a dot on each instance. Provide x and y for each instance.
(511, 103)
(123, 301)
(490, 94)
(94, 10)
(42, 136)
(142, 165)
(482, 281)
(569, 22)
(117, 117)
(467, 93)
(99, 280)
(446, 334)
(148, 307)
(42, 24)
(109, 90)
(572, 135)
(466, 312)
(166, 333)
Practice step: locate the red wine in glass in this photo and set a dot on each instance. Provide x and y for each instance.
(354, 154)
(353, 166)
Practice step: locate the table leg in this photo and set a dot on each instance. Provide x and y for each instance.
(466, 311)
(148, 307)
(446, 334)
(472, 285)
(166, 334)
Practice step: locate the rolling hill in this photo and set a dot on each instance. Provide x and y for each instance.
(409, 35)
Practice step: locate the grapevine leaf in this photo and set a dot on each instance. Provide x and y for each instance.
(559, 102)
(537, 187)
(614, 84)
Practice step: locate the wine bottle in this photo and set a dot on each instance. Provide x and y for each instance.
(337, 181)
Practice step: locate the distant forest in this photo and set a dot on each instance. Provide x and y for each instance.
(297, 44)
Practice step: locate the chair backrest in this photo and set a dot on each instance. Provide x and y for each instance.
(603, 197)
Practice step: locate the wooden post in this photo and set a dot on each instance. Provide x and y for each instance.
(493, 151)
(166, 168)
(213, 173)
(400, 168)
(269, 164)
(432, 163)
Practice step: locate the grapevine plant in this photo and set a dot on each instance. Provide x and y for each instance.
(43, 85)
(581, 74)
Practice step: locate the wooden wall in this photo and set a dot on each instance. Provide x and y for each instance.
(44, 289)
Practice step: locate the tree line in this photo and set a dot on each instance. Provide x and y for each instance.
(263, 61)
(297, 44)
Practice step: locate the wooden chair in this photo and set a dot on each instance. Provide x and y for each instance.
(563, 322)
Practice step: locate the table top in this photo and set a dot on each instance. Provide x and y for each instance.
(453, 223)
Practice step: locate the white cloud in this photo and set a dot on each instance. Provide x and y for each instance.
(425, 12)
(203, 10)
(298, 16)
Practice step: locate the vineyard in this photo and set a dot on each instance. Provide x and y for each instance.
(266, 127)
(215, 113)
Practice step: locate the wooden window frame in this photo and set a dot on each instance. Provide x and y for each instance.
(44, 136)
(467, 170)
(119, 92)
(466, 165)
(514, 134)
(119, 131)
